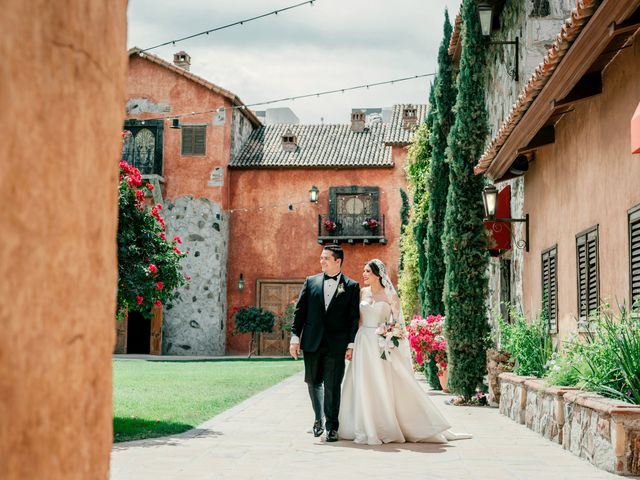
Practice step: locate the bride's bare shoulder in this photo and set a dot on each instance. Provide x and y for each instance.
(365, 292)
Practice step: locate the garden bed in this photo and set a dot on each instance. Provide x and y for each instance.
(602, 430)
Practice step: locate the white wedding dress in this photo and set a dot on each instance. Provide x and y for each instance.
(382, 401)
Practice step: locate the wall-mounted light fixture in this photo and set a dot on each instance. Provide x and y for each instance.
(313, 194)
(490, 201)
(485, 10)
(175, 123)
(241, 282)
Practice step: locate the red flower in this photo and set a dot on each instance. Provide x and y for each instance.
(163, 236)
(139, 195)
(177, 239)
(154, 212)
(159, 285)
(157, 303)
(153, 269)
(177, 250)
(149, 186)
(187, 277)
(139, 299)
(159, 207)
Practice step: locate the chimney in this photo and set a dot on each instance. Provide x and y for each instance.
(182, 60)
(357, 121)
(409, 117)
(289, 142)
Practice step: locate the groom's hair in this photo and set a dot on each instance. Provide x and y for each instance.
(336, 251)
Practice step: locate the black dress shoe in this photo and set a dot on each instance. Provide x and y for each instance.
(317, 429)
(332, 436)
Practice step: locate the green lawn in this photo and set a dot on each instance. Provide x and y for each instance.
(155, 398)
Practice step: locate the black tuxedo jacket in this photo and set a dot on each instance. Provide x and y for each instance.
(338, 324)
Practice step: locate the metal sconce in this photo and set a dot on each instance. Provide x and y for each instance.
(490, 201)
(313, 194)
(485, 10)
(175, 123)
(241, 282)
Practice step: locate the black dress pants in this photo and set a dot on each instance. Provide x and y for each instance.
(323, 367)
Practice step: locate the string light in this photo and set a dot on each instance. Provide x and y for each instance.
(289, 99)
(239, 22)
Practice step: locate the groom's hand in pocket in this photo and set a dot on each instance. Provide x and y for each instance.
(348, 354)
(294, 350)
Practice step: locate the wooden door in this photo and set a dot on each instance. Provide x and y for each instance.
(275, 295)
(155, 340)
(121, 335)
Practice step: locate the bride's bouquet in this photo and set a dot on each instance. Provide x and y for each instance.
(389, 336)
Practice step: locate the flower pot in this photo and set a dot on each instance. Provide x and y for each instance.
(444, 379)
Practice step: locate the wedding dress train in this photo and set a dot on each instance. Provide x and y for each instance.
(381, 400)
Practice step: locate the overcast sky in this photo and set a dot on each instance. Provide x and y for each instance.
(332, 44)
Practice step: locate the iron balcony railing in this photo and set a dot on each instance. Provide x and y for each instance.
(351, 229)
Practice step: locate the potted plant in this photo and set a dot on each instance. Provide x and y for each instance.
(329, 225)
(253, 320)
(426, 337)
(371, 224)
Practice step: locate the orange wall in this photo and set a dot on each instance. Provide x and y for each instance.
(63, 80)
(184, 175)
(267, 241)
(587, 177)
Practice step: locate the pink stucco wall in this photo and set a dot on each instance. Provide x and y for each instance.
(587, 177)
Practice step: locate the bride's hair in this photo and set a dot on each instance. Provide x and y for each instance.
(376, 270)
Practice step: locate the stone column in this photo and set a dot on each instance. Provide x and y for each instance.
(62, 92)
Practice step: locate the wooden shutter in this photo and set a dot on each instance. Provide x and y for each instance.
(587, 266)
(634, 254)
(194, 139)
(550, 287)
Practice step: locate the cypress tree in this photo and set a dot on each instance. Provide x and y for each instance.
(445, 97)
(404, 221)
(465, 241)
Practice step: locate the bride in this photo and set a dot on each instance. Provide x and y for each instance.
(381, 400)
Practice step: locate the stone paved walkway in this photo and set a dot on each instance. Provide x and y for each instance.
(265, 438)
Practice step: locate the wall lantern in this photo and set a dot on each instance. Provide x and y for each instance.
(313, 194)
(485, 11)
(490, 201)
(175, 123)
(486, 18)
(241, 282)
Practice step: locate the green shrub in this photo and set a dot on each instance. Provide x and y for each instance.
(528, 343)
(253, 320)
(609, 354)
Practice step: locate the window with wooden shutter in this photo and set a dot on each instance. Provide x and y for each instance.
(634, 254)
(194, 139)
(587, 266)
(550, 287)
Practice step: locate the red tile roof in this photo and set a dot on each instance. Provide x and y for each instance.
(569, 32)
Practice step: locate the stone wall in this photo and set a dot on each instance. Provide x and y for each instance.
(603, 431)
(195, 320)
(63, 81)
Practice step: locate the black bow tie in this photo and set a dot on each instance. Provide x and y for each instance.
(329, 277)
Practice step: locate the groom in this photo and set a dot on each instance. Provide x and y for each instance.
(324, 327)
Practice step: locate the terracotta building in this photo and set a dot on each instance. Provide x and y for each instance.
(568, 137)
(186, 156)
(277, 232)
(237, 193)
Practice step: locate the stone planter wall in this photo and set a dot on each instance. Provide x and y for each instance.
(497, 362)
(604, 431)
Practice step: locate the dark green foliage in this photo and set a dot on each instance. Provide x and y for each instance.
(404, 221)
(465, 240)
(438, 185)
(254, 320)
(404, 210)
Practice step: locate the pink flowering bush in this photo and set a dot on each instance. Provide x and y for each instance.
(426, 337)
(148, 264)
